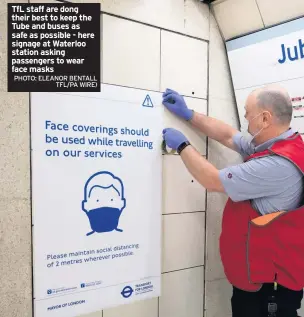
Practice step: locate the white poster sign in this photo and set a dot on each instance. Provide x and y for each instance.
(96, 199)
(274, 55)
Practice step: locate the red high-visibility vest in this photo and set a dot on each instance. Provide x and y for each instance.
(259, 249)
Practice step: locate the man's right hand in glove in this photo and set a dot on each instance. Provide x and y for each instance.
(175, 103)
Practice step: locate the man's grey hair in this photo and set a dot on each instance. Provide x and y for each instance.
(277, 102)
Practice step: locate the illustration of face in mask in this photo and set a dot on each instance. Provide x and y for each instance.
(104, 202)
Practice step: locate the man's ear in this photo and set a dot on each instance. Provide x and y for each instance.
(267, 117)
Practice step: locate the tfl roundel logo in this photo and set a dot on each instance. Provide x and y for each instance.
(127, 292)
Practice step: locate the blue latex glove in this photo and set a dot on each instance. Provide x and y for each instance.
(175, 103)
(173, 138)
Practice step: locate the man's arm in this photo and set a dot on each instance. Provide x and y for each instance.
(250, 180)
(215, 129)
(203, 171)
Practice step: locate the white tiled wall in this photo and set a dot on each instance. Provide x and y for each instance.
(220, 85)
(146, 308)
(131, 54)
(197, 139)
(218, 296)
(97, 314)
(181, 192)
(237, 17)
(166, 14)
(185, 16)
(184, 64)
(183, 241)
(184, 69)
(183, 294)
(274, 11)
(196, 19)
(221, 106)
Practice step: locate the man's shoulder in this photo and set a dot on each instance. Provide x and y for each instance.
(273, 161)
(242, 144)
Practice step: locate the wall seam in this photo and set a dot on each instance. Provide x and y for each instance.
(233, 94)
(265, 28)
(30, 202)
(217, 279)
(31, 205)
(212, 12)
(156, 27)
(161, 243)
(183, 269)
(17, 198)
(256, 2)
(207, 156)
(268, 83)
(147, 89)
(183, 213)
(160, 59)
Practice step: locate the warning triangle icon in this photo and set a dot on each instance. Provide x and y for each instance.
(147, 102)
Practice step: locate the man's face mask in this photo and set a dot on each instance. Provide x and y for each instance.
(246, 128)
